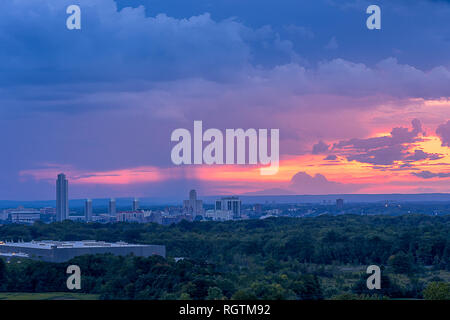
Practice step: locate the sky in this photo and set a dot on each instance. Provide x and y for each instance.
(359, 110)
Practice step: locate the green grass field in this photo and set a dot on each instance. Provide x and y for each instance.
(47, 296)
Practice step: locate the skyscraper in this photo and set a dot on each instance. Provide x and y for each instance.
(112, 207)
(340, 203)
(88, 210)
(193, 206)
(135, 204)
(62, 198)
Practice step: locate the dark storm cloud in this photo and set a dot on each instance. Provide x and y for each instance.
(331, 157)
(108, 96)
(443, 131)
(320, 147)
(398, 136)
(386, 150)
(429, 175)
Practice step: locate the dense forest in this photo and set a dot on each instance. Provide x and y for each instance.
(281, 258)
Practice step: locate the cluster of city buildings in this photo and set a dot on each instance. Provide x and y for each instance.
(223, 209)
(226, 208)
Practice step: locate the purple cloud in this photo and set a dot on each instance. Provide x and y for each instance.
(320, 147)
(419, 155)
(386, 150)
(303, 183)
(429, 175)
(443, 131)
(398, 137)
(114, 92)
(382, 151)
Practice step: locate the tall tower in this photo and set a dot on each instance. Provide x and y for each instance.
(112, 207)
(340, 203)
(62, 198)
(192, 196)
(88, 210)
(135, 204)
(193, 206)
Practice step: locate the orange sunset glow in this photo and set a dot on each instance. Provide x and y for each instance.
(369, 177)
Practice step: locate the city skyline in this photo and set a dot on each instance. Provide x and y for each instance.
(193, 204)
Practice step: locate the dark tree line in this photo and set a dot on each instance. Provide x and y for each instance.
(282, 258)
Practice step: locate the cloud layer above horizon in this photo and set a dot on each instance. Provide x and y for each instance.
(368, 113)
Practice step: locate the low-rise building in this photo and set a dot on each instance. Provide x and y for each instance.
(22, 215)
(219, 215)
(57, 251)
(131, 216)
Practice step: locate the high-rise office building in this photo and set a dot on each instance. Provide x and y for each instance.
(340, 203)
(88, 210)
(112, 207)
(62, 198)
(193, 206)
(232, 204)
(135, 204)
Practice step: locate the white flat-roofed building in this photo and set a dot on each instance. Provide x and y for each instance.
(21, 215)
(219, 215)
(61, 251)
(27, 218)
(131, 216)
(76, 218)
